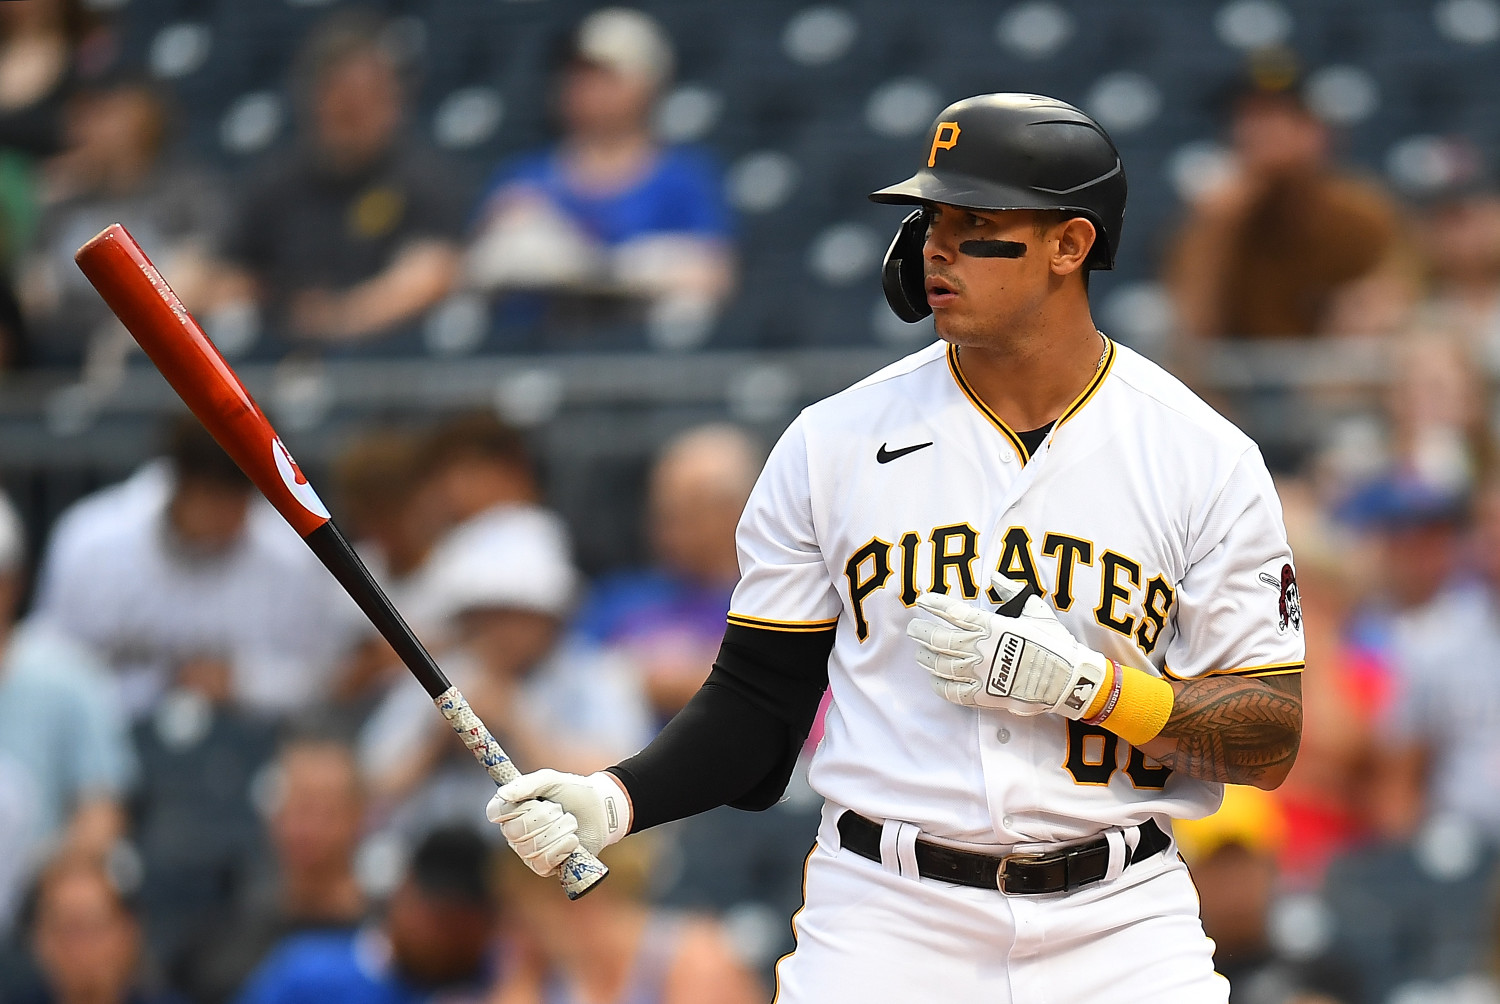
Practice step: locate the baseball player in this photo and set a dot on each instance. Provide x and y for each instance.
(1049, 589)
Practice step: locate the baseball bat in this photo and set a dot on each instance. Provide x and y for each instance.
(132, 287)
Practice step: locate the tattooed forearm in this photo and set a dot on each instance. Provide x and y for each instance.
(1233, 728)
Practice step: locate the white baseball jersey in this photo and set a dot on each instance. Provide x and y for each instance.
(1147, 520)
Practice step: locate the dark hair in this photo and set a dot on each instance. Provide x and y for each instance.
(196, 457)
(164, 111)
(452, 863)
(376, 474)
(354, 31)
(125, 893)
(476, 435)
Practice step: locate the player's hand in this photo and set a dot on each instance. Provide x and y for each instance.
(1027, 665)
(547, 815)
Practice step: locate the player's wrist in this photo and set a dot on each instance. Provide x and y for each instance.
(624, 808)
(1135, 705)
(1106, 697)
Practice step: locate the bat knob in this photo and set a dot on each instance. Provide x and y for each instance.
(580, 872)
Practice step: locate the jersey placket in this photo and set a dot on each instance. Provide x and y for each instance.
(1008, 740)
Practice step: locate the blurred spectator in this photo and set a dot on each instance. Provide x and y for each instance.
(479, 466)
(435, 942)
(1288, 244)
(1418, 528)
(503, 583)
(87, 938)
(1436, 405)
(113, 170)
(506, 586)
(388, 508)
(1326, 801)
(193, 818)
(1458, 235)
(182, 571)
(43, 46)
(316, 819)
(1233, 857)
(46, 46)
(669, 619)
(608, 210)
(1411, 920)
(53, 793)
(393, 514)
(610, 948)
(1444, 732)
(354, 234)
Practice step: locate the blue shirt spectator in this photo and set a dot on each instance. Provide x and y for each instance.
(668, 619)
(680, 192)
(434, 943)
(349, 968)
(631, 605)
(609, 221)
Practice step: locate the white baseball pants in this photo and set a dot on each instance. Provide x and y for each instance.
(876, 933)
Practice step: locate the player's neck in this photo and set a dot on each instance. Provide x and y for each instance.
(1030, 378)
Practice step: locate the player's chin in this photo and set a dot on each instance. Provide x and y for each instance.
(953, 326)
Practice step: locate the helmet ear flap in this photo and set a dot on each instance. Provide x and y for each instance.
(901, 275)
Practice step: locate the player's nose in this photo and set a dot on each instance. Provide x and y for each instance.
(940, 245)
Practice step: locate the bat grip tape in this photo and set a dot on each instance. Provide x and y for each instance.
(582, 870)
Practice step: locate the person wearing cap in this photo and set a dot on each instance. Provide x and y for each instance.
(608, 209)
(502, 585)
(436, 940)
(1442, 735)
(52, 793)
(1286, 244)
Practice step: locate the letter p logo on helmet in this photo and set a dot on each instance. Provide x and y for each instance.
(945, 137)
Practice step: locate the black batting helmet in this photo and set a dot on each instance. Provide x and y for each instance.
(1006, 151)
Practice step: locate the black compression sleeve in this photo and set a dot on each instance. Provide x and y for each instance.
(737, 740)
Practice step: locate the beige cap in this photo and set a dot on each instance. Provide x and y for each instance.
(515, 558)
(626, 41)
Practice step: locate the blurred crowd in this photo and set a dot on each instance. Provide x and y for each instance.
(357, 230)
(218, 784)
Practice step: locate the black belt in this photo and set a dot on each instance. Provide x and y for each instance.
(1061, 870)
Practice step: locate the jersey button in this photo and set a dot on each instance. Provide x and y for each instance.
(1003, 735)
(1007, 457)
(1008, 821)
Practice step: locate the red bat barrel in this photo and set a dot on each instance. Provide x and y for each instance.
(156, 318)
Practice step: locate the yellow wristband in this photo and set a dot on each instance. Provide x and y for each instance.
(1144, 706)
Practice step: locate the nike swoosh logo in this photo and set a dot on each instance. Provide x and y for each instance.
(884, 456)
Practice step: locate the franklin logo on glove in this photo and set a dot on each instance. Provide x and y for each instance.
(1006, 658)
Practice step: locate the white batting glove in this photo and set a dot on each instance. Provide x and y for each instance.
(547, 815)
(1026, 665)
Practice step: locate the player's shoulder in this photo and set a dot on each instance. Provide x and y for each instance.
(1159, 398)
(905, 377)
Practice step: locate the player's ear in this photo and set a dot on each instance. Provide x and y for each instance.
(1072, 240)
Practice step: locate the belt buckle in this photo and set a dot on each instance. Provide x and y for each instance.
(1006, 860)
